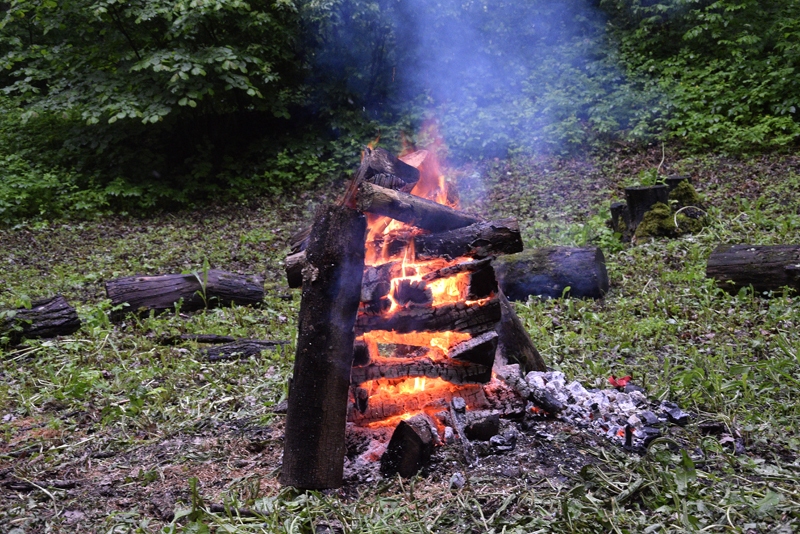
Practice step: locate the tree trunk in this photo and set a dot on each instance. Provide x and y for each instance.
(45, 318)
(314, 445)
(766, 268)
(514, 343)
(410, 209)
(641, 199)
(549, 271)
(196, 291)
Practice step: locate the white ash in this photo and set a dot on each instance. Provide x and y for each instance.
(606, 411)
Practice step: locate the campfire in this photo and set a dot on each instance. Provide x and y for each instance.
(402, 328)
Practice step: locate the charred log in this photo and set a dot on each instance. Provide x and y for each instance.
(451, 371)
(553, 272)
(240, 349)
(482, 280)
(765, 268)
(514, 343)
(314, 444)
(194, 291)
(479, 350)
(410, 447)
(293, 265)
(410, 209)
(479, 240)
(45, 318)
(472, 319)
(385, 170)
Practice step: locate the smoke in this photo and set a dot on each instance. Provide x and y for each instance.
(498, 75)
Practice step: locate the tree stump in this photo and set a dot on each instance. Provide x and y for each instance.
(195, 291)
(641, 199)
(549, 271)
(314, 445)
(45, 318)
(766, 268)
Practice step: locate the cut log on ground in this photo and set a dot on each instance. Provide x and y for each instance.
(240, 349)
(472, 319)
(514, 344)
(549, 271)
(478, 240)
(410, 447)
(641, 199)
(45, 318)
(314, 444)
(194, 291)
(410, 209)
(766, 268)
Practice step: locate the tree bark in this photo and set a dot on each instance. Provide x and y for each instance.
(478, 240)
(549, 271)
(196, 291)
(473, 319)
(641, 199)
(766, 268)
(410, 209)
(45, 318)
(514, 344)
(314, 445)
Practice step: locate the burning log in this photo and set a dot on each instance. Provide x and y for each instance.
(383, 169)
(549, 271)
(479, 240)
(455, 373)
(410, 209)
(194, 291)
(766, 268)
(515, 345)
(482, 280)
(45, 318)
(314, 445)
(410, 447)
(472, 319)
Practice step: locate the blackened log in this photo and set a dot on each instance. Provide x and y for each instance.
(196, 291)
(478, 350)
(549, 271)
(482, 280)
(481, 426)
(198, 338)
(410, 209)
(766, 268)
(514, 344)
(410, 447)
(478, 240)
(314, 444)
(642, 198)
(472, 319)
(453, 372)
(385, 170)
(243, 348)
(45, 318)
(377, 281)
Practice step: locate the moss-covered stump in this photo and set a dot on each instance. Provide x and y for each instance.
(661, 221)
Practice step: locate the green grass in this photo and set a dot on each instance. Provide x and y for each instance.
(137, 423)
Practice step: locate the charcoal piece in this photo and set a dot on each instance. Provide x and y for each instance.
(674, 414)
(481, 427)
(649, 418)
(361, 353)
(650, 433)
(361, 396)
(410, 447)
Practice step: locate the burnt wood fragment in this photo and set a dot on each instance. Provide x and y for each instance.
(479, 350)
(482, 280)
(481, 426)
(549, 272)
(451, 371)
(514, 342)
(385, 170)
(479, 240)
(410, 447)
(764, 267)
(195, 291)
(45, 318)
(240, 349)
(472, 319)
(410, 209)
(314, 443)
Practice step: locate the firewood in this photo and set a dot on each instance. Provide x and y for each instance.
(549, 271)
(479, 350)
(410, 209)
(479, 240)
(451, 371)
(482, 280)
(314, 443)
(376, 282)
(45, 318)
(385, 170)
(473, 319)
(195, 291)
(514, 343)
(410, 447)
(765, 268)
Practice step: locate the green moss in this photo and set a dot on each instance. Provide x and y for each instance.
(685, 195)
(661, 221)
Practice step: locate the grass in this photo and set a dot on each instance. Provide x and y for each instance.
(146, 431)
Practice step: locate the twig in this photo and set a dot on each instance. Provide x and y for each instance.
(675, 219)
